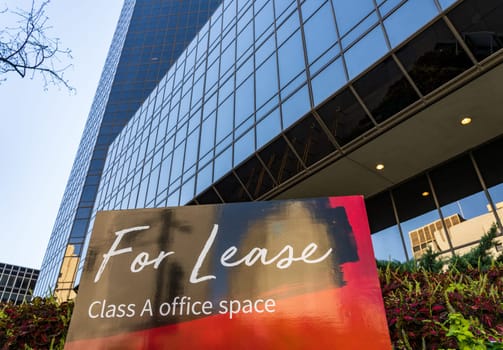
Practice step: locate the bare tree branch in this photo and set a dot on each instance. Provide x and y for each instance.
(27, 50)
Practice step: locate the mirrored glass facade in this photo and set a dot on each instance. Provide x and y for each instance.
(290, 98)
(16, 283)
(149, 37)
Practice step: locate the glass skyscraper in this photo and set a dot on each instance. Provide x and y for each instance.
(16, 283)
(149, 37)
(398, 100)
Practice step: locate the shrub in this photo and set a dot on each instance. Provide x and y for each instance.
(41, 324)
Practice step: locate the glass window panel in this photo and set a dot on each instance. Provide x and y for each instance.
(328, 81)
(88, 193)
(223, 163)
(491, 169)
(309, 141)
(291, 59)
(204, 177)
(212, 75)
(140, 202)
(245, 39)
(320, 32)
(295, 107)
(255, 177)
(433, 57)
(187, 191)
(405, 21)
(207, 139)
(266, 81)
(446, 3)
(280, 160)
(268, 128)
(361, 28)
(415, 211)
(385, 90)
(264, 19)
(480, 24)
(349, 13)
(310, 7)
(227, 59)
(210, 104)
(244, 146)
(264, 51)
(231, 190)
(225, 118)
(463, 203)
(387, 245)
(365, 52)
(209, 197)
(173, 198)
(244, 71)
(241, 129)
(380, 212)
(177, 164)
(288, 27)
(245, 100)
(224, 143)
(387, 6)
(191, 149)
(152, 185)
(281, 5)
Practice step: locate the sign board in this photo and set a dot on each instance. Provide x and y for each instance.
(295, 274)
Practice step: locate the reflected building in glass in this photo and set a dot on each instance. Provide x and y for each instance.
(277, 99)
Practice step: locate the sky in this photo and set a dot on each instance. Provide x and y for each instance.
(41, 130)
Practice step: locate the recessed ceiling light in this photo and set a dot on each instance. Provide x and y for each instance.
(465, 120)
(380, 166)
(425, 194)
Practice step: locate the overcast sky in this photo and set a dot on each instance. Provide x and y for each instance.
(40, 130)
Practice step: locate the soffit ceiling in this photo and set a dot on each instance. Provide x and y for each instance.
(429, 138)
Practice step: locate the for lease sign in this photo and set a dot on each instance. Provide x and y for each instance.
(296, 274)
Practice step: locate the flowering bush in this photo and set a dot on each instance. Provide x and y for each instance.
(41, 324)
(449, 310)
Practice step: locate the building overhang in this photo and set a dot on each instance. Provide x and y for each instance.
(408, 145)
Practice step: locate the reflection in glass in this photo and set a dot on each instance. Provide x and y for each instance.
(349, 13)
(480, 24)
(231, 190)
(244, 146)
(295, 107)
(320, 32)
(405, 21)
(365, 52)
(359, 30)
(290, 62)
(433, 57)
(223, 163)
(345, 117)
(491, 171)
(268, 128)
(280, 160)
(385, 90)
(446, 3)
(309, 140)
(328, 80)
(255, 177)
(417, 214)
(388, 245)
(266, 81)
(204, 177)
